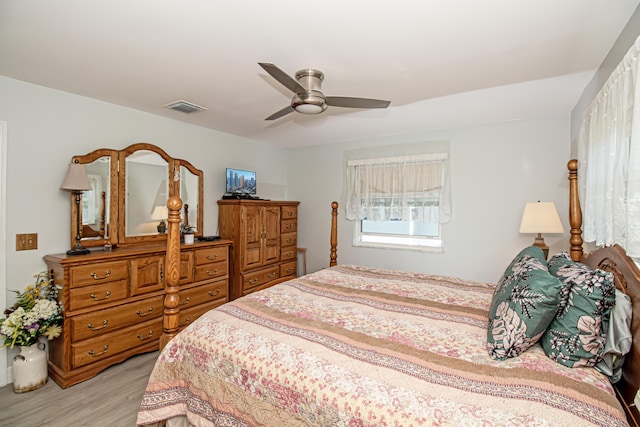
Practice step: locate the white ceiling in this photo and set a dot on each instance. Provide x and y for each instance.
(441, 63)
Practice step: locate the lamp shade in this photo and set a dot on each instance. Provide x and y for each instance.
(541, 217)
(160, 213)
(76, 178)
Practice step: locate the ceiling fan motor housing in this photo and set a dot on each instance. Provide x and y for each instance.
(312, 101)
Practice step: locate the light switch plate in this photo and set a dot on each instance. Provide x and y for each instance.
(26, 242)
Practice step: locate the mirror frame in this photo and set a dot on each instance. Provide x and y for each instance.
(123, 238)
(113, 199)
(117, 198)
(176, 190)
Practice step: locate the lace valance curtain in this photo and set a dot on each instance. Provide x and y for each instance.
(609, 160)
(399, 188)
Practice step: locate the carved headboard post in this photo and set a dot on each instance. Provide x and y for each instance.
(333, 258)
(575, 212)
(171, 322)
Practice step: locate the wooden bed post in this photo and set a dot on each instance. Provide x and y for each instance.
(334, 234)
(575, 212)
(171, 323)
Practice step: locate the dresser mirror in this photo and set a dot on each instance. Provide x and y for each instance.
(98, 204)
(191, 194)
(129, 192)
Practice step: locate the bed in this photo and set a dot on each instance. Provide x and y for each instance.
(358, 346)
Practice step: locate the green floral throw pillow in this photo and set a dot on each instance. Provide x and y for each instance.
(524, 303)
(577, 334)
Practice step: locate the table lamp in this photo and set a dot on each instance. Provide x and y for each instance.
(541, 217)
(160, 213)
(77, 181)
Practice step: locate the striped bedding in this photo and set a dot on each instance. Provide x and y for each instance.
(356, 346)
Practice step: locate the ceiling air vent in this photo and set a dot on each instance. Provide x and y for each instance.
(185, 107)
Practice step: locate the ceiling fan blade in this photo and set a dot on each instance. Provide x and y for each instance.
(286, 80)
(286, 110)
(345, 101)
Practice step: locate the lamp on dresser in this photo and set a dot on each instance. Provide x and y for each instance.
(160, 213)
(541, 217)
(77, 181)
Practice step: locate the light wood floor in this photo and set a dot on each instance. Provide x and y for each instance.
(111, 399)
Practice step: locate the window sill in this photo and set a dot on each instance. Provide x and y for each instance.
(426, 249)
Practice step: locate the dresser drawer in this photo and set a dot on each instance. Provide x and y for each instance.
(203, 294)
(90, 296)
(211, 271)
(92, 350)
(289, 212)
(258, 278)
(288, 269)
(99, 322)
(98, 273)
(204, 256)
(288, 225)
(288, 239)
(288, 253)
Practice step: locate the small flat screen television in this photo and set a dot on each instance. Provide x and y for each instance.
(241, 181)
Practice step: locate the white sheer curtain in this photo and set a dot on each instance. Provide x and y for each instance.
(389, 188)
(609, 160)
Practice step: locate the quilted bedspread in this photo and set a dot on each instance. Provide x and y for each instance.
(355, 346)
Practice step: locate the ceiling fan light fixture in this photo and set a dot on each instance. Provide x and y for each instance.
(309, 103)
(309, 109)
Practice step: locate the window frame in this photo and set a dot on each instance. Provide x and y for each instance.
(430, 195)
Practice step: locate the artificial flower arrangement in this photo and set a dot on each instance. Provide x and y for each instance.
(36, 313)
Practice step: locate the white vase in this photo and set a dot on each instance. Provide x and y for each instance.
(188, 239)
(30, 368)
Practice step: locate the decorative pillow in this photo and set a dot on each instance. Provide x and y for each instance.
(577, 334)
(524, 303)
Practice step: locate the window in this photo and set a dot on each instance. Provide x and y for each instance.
(609, 159)
(399, 201)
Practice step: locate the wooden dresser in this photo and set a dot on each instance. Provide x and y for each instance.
(264, 235)
(113, 302)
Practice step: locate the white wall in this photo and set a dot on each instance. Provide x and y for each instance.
(46, 127)
(495, 169)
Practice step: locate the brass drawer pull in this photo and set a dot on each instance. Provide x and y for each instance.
(272, 275)
(288, 254)
(214, 256)
(95, 276)
(106, 295)
(186, 301)
(290, 240)
(253, 281)
(141, 338)
(104, 350)
(289, 227)
(290, 270)
(214, 272)
(211, 294)
(93, 328)
(139, 313)
(186, 322)
(290, 213)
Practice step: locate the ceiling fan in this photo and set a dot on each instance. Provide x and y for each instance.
(308, 99)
